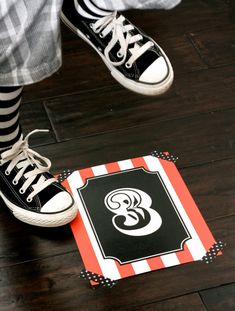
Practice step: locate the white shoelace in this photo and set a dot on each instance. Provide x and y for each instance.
(114, 24)
(21, 156)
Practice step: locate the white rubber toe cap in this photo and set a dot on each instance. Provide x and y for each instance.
(58, 203)
(156, 72)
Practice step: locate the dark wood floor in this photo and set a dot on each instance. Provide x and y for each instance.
(93, 120)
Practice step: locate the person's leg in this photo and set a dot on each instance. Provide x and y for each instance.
(10, 130)
(134, 59)
(29, 52)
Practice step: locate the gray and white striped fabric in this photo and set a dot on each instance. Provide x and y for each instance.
(29, 40)
(30, 46)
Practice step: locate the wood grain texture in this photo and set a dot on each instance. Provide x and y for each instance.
(219, 298)
(33, 115)
(21, 243)
(175, 304)
(215, 47)
(196, 140)
(97, 111)
(212, 186)
(188, 16)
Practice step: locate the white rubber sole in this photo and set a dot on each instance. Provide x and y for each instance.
(138, 87)
(41, 220)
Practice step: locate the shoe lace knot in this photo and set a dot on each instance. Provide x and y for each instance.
(122, 34)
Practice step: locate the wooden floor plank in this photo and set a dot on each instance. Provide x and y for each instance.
(191, 301)
(96, 112)
(189, 16)
(212, 187)
(217, 48)
(32, 116)
(196, 140)
(53, 283)
(219, 298)
(20, 242)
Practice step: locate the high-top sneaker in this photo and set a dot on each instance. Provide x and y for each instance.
(31, 193)
(134, 59)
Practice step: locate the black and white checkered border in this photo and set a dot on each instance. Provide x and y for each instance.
(164, 156)
(64, 175)
(213, 252)
(99, 279)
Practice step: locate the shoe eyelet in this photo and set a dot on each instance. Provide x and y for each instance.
(91, 25)
(7, 172)
(21, 191)
(29, 200)
(101, 35)
(15, 182)
(128, 65)
(119, 54)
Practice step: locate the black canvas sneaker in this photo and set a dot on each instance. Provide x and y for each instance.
(134, 59)
(31, 193)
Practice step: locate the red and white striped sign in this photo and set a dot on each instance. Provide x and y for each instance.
(193, 249)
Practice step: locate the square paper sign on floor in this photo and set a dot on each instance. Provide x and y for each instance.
(136, 216)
